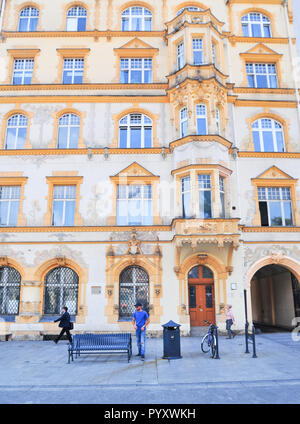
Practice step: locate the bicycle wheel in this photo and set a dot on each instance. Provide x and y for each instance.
(205, 344)
(213, 347)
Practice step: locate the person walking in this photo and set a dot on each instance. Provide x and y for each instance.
(64, 323)
(140, 321)
(229, 321)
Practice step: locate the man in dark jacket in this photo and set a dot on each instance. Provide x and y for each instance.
(64, 323)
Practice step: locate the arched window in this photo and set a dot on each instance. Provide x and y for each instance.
(61, 289)
(218, 121)
(135, 131)
(136, 19)
(68, 131)
(10, 283)
(134, 287)
(76, 19)
(16, 132)
(28, 19)
(267, 135)
(183, 122)
(256, 25)
(190, 9)
(201, 117)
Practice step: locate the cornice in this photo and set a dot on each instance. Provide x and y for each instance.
(78, 34)
(83, 229)
(282, 155)
(272, 40)
(270, 230)
(201, 138)
(199, 167)
(93, 151)
(263, 90)
(188, 66)
(262, 103)
(84, 99)
(84, 86)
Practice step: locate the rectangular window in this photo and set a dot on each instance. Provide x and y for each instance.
(136, 71)
(73, 71)
(64, 202)
(9, 205)
(261, 75)
(23, 69)
(222, 196)
(180, 56)
(275, 206)
(198, 51)
(204, 189)
(186, 197)
(134, 205)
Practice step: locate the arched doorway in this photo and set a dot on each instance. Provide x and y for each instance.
(275, 298)
(201, 296)
(133, 288)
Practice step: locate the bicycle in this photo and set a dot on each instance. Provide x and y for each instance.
(209, 342)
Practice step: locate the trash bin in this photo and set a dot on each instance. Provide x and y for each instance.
(171, 339)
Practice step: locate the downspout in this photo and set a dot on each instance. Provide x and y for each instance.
(294, 66)
(1, 16)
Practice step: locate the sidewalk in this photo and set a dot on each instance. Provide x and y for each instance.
(32, 365)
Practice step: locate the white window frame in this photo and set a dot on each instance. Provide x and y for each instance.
(218, 120)
(198, 47)
(68, 195)
(21, 68)
(131, 13)
(180, 56)
(183, 122)
(247, 22)
(222, 196)
(77, 65)
(204, 185)
(190, 9)
(270, 195)
(12, 195)
(69, 121)
(274, 128)
(74, 14)
(186, 190)
(18, 122)
(129, 65)
(124, 193)
(200, 108)
(135, 120)
(254, 72)
(33, 14)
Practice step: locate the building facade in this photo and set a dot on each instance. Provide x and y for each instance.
(149, 151)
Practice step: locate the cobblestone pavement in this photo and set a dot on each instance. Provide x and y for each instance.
(37, 372)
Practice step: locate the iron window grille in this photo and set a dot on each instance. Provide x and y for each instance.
(10, 284)
(134, 287)
(61, 289)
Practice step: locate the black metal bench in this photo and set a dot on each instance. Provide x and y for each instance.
(114, 343)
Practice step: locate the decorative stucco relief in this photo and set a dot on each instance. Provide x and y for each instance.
(275, 251)
(59, 251)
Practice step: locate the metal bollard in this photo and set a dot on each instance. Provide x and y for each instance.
(253, 341)
(217, 343)
(246, 337)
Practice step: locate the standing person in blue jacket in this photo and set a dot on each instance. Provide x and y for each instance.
(64, 323)
(140, 321)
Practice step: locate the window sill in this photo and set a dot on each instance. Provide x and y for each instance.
(8, 318)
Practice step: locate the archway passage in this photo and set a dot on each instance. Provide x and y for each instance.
(201, 296)
(275, 298)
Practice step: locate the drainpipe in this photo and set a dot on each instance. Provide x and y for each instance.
(1, 16)
(292, 56)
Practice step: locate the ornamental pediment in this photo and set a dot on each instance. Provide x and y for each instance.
(274, 173)
(135, 170)
(136, 43)
(261, 49)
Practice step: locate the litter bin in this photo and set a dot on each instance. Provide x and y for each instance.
(171, 339)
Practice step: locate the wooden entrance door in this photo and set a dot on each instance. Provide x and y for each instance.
(201, 296)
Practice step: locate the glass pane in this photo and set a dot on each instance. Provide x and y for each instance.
(256, 141)
(135, 137)
(147, 77)
(288, 213)
(204, 204)
(184, 129)
(198, 57)
(57, 218)
(124, 77)
(262, 81)
(267, 31)
(81, 24)
(186, 205)
(256, 30)
(72, 24)
(273, 81)
(14, 210)
(21, 138)
(136, 76)
(280, 144)
(245, 30)
(134, 212)
(201, 126)
(74, 137)
(147, 218)
(206, 272)
(23, 25)
(192, 297)
(125, 24)
(123, 138)
(148, 137)
(4, 213)
(62, 137)
(67, 77)
(268, 141)
(194, 272)
(208, 297)
(11, 138)
(251, 81)
(275, 213)
(70, 213)
(122, 212)
(78, 76)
